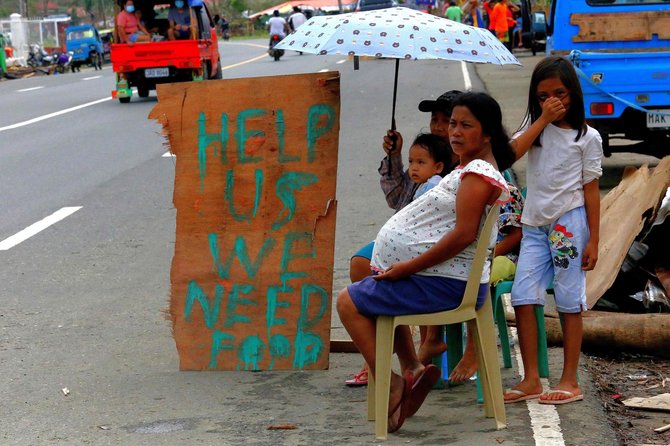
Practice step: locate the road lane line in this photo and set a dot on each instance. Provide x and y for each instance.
(544, 419)
(91, 78)
(227, 67)
(324, 70)
(341, 61)
(35, 228)
(53, 115)
(30, 89)
(466, 76)
(168, 155)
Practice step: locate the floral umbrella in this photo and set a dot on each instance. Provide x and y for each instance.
(399, 33)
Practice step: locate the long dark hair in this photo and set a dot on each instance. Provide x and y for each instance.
(438, 148)
(561, 68)
(488, 113)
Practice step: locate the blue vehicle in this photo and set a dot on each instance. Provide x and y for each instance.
(86, 46)
(621, 49)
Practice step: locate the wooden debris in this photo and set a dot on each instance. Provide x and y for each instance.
(658, 403)
(662, 428)
(284, 426)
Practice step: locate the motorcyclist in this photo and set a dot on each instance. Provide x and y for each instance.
(277, 26)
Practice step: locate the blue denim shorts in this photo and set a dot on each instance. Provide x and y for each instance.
(553, 251)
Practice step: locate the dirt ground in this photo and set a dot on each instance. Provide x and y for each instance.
(624, 376)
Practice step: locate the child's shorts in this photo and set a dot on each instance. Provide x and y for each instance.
(365, 251)
(553, 251)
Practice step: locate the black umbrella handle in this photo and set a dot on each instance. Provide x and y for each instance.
(394, 138)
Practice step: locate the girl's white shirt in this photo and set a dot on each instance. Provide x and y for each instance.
(557, 172)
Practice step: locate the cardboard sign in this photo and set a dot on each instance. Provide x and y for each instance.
(255, 177)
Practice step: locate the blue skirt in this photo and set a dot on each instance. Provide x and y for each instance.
(414, 295)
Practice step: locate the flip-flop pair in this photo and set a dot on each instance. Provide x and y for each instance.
(522, 396)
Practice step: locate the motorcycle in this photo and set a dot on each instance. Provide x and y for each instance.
(38, 57)
(274, 40)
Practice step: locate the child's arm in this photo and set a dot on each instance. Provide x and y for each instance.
(509, 243)
(552, 109)
(592, 207)
(393, 179)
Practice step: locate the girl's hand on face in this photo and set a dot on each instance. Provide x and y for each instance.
(396, 271)
(389, 147)
(590, 256)
(552, 109)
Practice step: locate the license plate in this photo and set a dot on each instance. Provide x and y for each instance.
(657, 120)
(156, 72)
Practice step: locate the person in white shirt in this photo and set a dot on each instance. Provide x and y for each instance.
(277, 26)
(296, 19)
(560, 220)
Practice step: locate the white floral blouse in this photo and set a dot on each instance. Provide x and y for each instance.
(422, 223)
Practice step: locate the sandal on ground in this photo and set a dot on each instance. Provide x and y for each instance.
(359, 379)
(522, 396)
(571, 397)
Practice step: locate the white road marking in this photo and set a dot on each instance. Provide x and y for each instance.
(35, 228)
(30, 89)
(544, 419)
(227, 67)
(168, 155)
(341, 61)
(91, 78)
(466, 77)
(324, 70)
(53, 115)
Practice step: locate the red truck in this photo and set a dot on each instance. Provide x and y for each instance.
(143, 65)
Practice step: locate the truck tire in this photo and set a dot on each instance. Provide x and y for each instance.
(124, 100)
(219, 75)
(142, 92)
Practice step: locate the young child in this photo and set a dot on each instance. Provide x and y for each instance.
(560, 221)
(429, 158)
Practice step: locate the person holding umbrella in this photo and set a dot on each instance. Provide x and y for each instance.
(433, 238)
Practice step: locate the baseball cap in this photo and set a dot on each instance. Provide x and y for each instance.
(442, 103)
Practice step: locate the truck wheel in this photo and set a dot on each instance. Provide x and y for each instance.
(219, 74)
(142, 92)
(124, 100)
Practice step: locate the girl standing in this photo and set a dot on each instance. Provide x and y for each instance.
(560, 219)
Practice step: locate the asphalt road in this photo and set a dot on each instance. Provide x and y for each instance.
(82, 301)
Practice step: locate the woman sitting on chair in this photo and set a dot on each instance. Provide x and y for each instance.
(422, 255)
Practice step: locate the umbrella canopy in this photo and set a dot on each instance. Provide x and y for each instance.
(400, 33)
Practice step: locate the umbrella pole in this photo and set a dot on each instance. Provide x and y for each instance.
(395, 94)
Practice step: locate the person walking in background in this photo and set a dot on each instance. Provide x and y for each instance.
(296, 19)
(472, 14)
(454, 13)
(560, 220)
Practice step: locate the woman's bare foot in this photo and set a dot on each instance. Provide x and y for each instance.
(465, 368)
(523, 390)
(428, 350)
